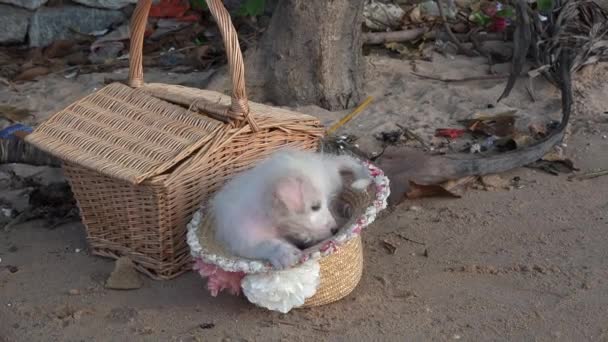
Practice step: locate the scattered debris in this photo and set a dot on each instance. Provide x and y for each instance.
(554, 164)
(589, 175)
(433, 190)
(466, 79)
(74, 292)
(390, 137)
(451, 133)
(146, 330)
(32, 73)
(206, 326)
(172, 9)
(380, 16)
(13, 149)
(414, 208)
(402, 236)
(15, 115)
(124, 276)
(500, 125)
(494, 182)
(394, 36)
(389, 246)
(427, 10)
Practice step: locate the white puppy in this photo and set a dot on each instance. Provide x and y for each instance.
(281, 205)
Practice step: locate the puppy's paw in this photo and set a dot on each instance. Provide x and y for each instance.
(361, 184)
(285, 256)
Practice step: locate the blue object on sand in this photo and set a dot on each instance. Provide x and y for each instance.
(8, 132)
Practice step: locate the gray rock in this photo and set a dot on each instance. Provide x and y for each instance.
(13, 24)
(108, 4)
(5, 180)
(29, 4)
(38, 175)
(17, 200)
(124, 276)
(50, 24)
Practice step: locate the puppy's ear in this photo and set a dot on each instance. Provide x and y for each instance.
(289, 192)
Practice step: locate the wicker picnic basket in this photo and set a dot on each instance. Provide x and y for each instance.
(141, 158)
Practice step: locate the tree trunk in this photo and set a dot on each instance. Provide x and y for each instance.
(310, 54)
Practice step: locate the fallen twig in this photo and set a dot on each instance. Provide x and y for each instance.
(393, 36)
(465, 79)
(589, 175)
(401, 236)
(350, 116)
(371, 38)
(410, 134)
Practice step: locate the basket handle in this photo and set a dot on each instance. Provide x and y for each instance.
(239, 108)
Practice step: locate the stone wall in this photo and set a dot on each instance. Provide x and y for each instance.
(38, 23)
(35, 23)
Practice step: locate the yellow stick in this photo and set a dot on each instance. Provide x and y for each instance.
(350, 116)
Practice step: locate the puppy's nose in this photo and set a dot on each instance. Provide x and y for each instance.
(334, 230)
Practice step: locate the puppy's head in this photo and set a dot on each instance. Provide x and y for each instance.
(301, 211)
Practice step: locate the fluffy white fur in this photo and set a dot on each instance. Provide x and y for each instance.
(282, 204)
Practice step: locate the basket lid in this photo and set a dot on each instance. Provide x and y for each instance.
(133, 134)
(124, 133)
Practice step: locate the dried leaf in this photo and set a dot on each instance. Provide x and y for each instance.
(59, 48)
(32, 73)
(14, 114)
(435, 190)
(458, 186)
(554, 166)
(397, 47)
(201, 56)
(589, 175)
(537, 130)
(390, 248)
(500, 125)
(493, 182)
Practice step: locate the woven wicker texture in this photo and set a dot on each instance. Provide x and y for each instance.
(124, 133)
(141, 159)
(340, 274)
(340, 271)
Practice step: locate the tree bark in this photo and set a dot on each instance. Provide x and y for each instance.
(311, 53)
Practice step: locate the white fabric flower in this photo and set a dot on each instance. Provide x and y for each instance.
(283, 290)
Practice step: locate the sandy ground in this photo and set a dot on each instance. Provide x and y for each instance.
(528, 264)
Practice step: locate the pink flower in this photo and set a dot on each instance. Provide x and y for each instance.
(218, 279)
(498, 24)
(329, 245)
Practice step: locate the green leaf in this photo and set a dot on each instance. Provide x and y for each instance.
(506, 12)
(252, 8)
(544, 5)
(199, 4)
(480, 19)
